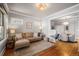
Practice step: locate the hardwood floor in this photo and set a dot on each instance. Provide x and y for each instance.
(59, 49)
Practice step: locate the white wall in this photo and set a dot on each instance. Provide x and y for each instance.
(65, 12)
(77, 31)
(45, 27)
(22, 27)
(61, 30)
(77, 28)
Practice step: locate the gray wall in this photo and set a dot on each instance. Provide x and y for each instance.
(25, 19)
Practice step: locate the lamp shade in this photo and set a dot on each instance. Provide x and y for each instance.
(12, 30)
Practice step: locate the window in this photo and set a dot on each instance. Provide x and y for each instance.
(1, 25)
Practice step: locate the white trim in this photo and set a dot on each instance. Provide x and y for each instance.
(64, 15)
(6, 7)
(65, 10)
(4, 40)
(1, 42)
(18, 13)
(2, 10)
(2, 53)
(47, 17)
(22, 14)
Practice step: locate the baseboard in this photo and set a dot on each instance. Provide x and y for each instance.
(2, 53)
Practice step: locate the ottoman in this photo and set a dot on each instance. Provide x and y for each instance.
(22, 43)
(34, 39)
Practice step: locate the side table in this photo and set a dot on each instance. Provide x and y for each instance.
(10, 42)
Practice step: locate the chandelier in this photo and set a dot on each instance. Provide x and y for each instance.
(41, 6)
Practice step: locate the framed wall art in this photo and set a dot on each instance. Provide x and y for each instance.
(28, 25)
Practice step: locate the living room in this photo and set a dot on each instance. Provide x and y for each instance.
(31, 30)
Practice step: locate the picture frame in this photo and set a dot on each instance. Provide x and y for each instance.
(28, 25)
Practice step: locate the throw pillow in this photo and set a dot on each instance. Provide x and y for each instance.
(18, 35)
(35, 34)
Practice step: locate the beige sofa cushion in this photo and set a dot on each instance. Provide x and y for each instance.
(21, 43)
(27, 35)
(18, 35)
(33, 39)
(35, 35)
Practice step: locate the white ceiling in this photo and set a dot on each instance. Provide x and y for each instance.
(31, 10)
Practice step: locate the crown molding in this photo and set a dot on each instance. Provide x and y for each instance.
(64, 12)
(22, 14)
(19, 13)
(52, 16)
(6, 7)
(3, 9)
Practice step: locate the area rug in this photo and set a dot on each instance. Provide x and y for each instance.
(34, 48)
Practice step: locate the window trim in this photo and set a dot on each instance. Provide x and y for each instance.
(2, 25)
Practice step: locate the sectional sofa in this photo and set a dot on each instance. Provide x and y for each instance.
(25, 39)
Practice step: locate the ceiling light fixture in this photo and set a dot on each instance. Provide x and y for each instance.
(41, 6)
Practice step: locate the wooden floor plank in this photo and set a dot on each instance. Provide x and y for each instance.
(59, 49)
